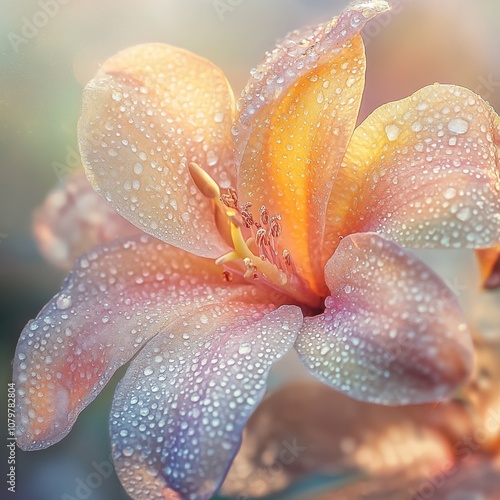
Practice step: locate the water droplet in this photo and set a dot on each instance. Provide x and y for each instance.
(416, 127)
(245, 348)
(393, 132)
(64, 301)
(219, 117)
(450, 193)
(458, 126)
(464, 214)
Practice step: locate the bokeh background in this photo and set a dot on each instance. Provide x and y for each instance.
(42, 72)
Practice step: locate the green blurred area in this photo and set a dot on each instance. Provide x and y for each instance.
(41, 82)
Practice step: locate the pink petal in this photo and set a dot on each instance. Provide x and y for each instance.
(297, 115)
(150, 111)
(391, 332)
(74, 219)
(423, 172)
(114, 301)
(178, 414)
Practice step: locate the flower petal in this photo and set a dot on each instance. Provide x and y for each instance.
(307, 428)
(178, 414)
(297, 115)
(489, 262)
(74, 219)
(391, 333)
(423, 172)
(475, 478)
(150, 111)
(116, 298)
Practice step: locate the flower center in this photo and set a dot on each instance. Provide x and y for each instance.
(256, 252)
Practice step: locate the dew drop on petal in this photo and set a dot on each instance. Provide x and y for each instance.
(245, 348)
(393, 132)
(458, 126)
(450, 193)
(63, 301)
(464, 214)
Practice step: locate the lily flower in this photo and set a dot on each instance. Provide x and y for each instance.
(273, 224)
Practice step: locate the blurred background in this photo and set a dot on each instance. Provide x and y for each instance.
(49, 49)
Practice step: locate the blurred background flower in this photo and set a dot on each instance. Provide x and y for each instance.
(51, 48)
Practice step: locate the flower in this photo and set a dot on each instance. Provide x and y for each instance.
(273, 226)
(74, 219)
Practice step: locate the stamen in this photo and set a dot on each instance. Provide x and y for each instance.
(255, 243)
(276, 229)
(230, 199)
(287, 257)
(251, 270)
(246, 215)
(264, 216)
(261, 237)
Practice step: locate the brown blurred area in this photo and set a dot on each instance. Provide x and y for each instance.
(44, 67)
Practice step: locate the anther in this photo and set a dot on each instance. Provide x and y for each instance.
(246, 215)
(261, 238)
(230, 199)
(264, 216)
(276, 229)
(251, 270)
(287, 257)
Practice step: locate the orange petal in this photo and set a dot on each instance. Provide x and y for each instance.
(423, 172)
(489, 262)
(297, 115)
(74, 219)
(150, 111)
